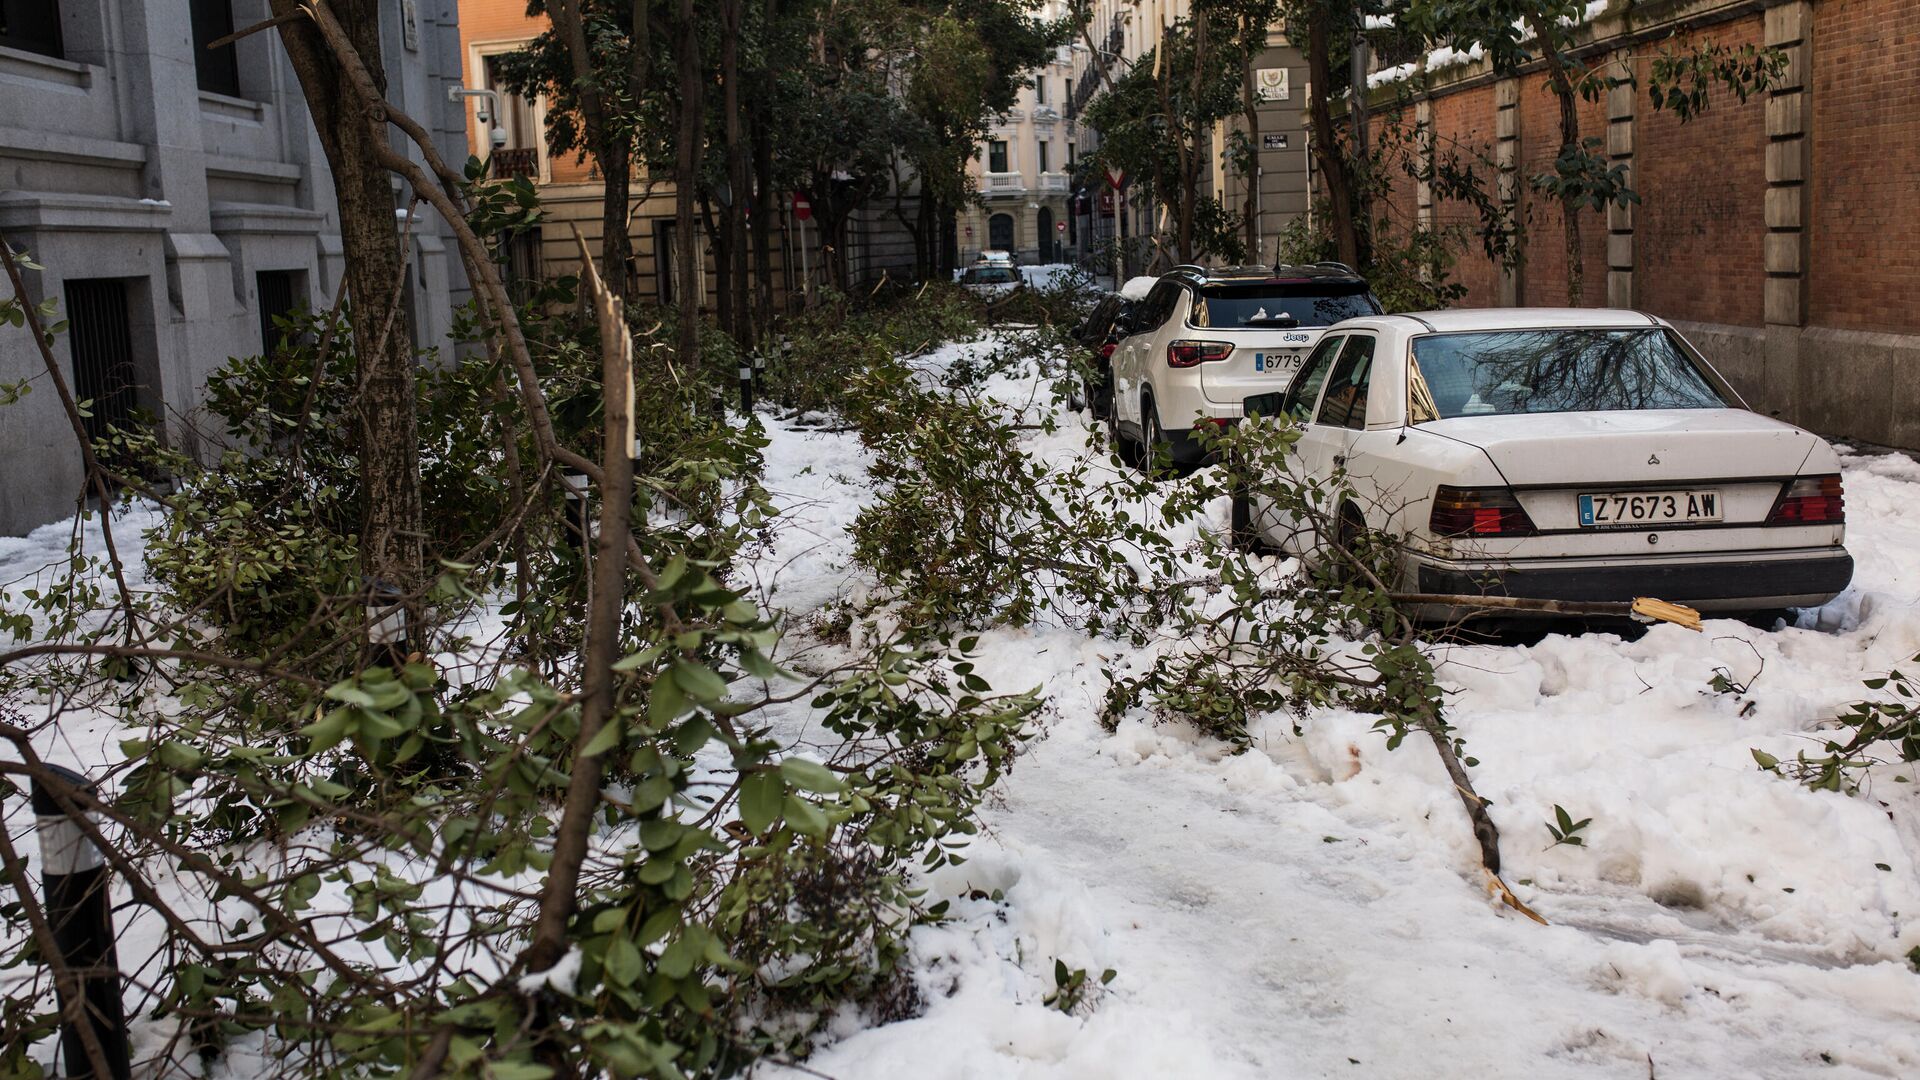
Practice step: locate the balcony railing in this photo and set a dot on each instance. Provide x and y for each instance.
(1003, 183)
(1045, 114)
(512, 161)
(1053, 181)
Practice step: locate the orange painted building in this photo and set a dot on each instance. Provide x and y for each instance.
(570, 189)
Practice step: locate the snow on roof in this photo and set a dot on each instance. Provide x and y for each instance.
(1138, 288)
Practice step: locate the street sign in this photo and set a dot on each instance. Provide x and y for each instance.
(802, 206)
(1059, 226)
(1116, 178)
(1106, 202)
(1273, 142)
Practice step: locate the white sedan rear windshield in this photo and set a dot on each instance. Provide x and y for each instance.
(1559, 370)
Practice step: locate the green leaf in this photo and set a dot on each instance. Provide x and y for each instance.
(699, 681)
(623, 962)
(1765, 760)
(603, 740)
(811, 775)
(805, 817)
(760, 795)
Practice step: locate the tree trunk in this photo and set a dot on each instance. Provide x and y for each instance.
(721, 240)
(686, 173)
(612, 149)
(1190, 163)
(392, 537)
(1326, 148)
(739, 171)
(1250, 105)
(764, 209)
(1163, 75)
(1569, 140)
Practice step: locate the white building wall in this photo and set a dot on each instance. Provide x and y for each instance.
(114, 164)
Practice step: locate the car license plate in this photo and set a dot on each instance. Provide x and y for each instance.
(1278, 362)
(1649, 507)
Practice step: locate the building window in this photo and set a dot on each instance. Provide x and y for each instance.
(1070, 158)
(997, 156)
(102, 344)
(1069, 94)
(1044, 158)
(31, 26)
(277, 292)
(219, 69)
(1039, 89)
(520, 154)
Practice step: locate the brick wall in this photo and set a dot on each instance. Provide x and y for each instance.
(1463, 126)
(1700, 224)
(1865, 185)
(1544, 282)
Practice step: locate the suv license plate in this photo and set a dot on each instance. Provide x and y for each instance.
(1649, 508)
(1277, 361)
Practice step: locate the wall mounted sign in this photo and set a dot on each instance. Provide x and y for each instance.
(1273, 142)
(1271, 84)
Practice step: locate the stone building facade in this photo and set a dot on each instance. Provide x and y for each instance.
(179, 199)
(1122, 33)
(1779, 233)
(570, 189)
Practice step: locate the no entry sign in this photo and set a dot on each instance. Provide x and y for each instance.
(802, 206)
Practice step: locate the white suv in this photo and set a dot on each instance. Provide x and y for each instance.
(1203, 341)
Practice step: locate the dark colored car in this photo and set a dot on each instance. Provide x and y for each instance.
(1100, 333)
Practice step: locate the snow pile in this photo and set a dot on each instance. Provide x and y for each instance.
(1315, 907)
(1137, 288)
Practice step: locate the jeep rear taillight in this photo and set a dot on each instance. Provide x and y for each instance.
(1810, 500)
(1478, 512)
(1184, 354)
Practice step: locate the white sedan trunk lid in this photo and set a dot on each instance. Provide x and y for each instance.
(1663, 446)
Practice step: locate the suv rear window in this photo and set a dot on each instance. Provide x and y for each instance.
(1275, 305)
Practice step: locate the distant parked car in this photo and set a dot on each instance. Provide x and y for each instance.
(990, 281)
(1099, 334)
(1558, 454)
(1205, 340)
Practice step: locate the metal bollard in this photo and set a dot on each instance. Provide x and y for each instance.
(73, 877)
(759, 370)
(746, 389)
(574, 486)
(387, 641)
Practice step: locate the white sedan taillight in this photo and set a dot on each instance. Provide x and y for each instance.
(1810, 500)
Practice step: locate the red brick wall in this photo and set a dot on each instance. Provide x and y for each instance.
(1864, 198)
(1545, 279)
(1463, 126)
(1699, 227)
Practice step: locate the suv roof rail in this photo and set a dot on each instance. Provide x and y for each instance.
(1336, 266)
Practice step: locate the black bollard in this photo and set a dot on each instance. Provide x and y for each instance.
(574, 485)
(759, 369)
(73, 877)
(746, 389)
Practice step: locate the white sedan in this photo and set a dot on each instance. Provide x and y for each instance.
(1572, 454)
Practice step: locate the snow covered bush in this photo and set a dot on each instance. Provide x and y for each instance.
(1892, 722)
(452, 865)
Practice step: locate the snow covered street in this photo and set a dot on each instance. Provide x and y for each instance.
(1313, 907)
